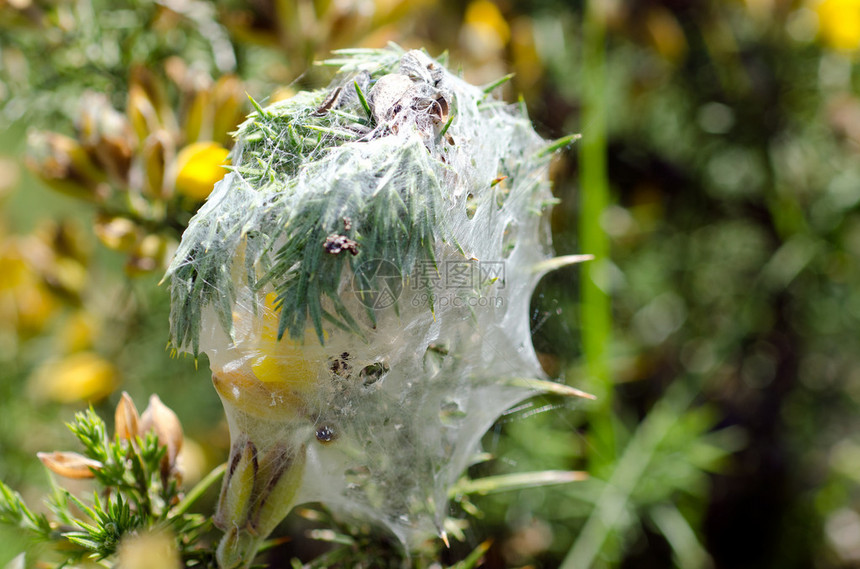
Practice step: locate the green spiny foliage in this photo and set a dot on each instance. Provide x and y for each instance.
(13, 511)
(381, 205)
(111, 520)
(135, 492)
(133, 468)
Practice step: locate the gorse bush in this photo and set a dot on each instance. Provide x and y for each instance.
(716, 325)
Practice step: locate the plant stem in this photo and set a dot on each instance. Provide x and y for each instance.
(596, 316)
(198, 490)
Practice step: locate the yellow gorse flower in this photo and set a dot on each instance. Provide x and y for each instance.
(39, 274)
(485, 31)
(284, 360)
(839, 23)
(84, 376)
(485, 18)
(199, 167)
(142, 168)
(282, 372)
(25, 302)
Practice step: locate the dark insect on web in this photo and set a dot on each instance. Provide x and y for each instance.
(325, 434)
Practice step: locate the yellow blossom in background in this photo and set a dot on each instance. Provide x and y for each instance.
(666, 33)
(78, 332)
(139, 168)
(148, 550)
(63, 164)
(117, 233)
(485, 18)
(84, 376)
(839, 23)
(281, 94)
(199, 166)
(148, 254)
(34, 307)
(39, 274)
(485, 31)
(192, 462)
(526, 60)
(26, 304)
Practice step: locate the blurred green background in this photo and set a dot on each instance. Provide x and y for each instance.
(717, 183)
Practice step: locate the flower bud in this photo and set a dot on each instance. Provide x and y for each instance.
(159, 418)
(69, 464)
(126, 419)
(228, 100)
(147, 108)
(106, 135)
(63, 164)
(155, 155)
(148, 255)
(279, 480)
(237, 490)
(141, 112)
(237, 547)
(198, 120)
(117, 233)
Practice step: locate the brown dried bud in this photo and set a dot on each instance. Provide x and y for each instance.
(106, 134)
(229, 100)
(142, 114)
(69, 464)
(126, 419)
(198, 118)
(63, 164)
(156, 154)
(147, 106)
(148, 255)
(159, 418)
(117, 233)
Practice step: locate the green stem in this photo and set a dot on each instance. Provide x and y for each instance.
(198, 490)
(596, 315)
